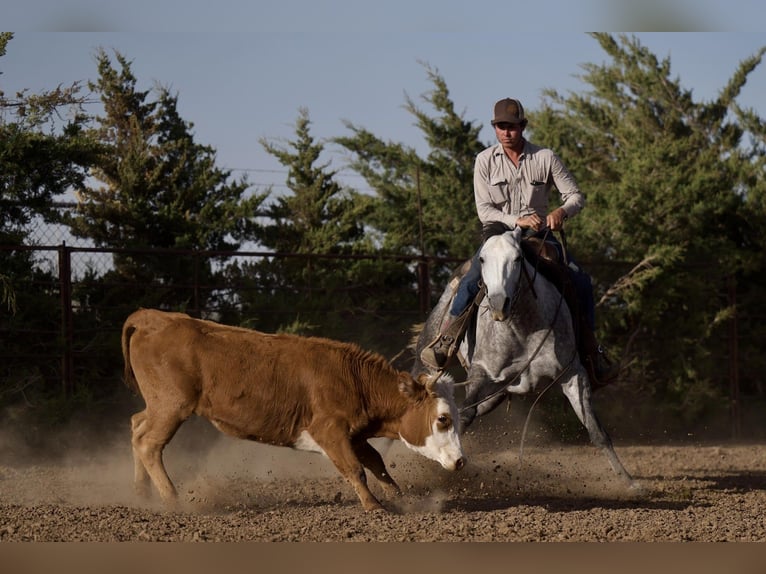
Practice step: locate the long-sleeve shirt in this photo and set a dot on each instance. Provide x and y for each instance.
(504, 192)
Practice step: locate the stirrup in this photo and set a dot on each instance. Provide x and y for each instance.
(439, 351)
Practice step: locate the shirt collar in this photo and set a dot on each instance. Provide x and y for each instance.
(498, 149)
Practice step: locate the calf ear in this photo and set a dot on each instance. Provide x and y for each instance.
(428, 382)
(408, 386)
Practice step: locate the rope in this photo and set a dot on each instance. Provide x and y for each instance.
(539, 396)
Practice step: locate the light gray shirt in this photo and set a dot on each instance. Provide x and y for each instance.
(504, 192)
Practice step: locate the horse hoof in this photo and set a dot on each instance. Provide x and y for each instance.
(637, 488)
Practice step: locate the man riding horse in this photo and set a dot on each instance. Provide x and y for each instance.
(512, 180)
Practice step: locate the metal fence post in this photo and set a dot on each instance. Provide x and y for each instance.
(196, 297)
(734, 402)
(65, 291)
(424, 287)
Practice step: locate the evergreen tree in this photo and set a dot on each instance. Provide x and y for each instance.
(423, 205)
(159, 189)
(40, 159)
(315, 217)
(302, 289)
(664, 179)
(44, 151)
(318, 215)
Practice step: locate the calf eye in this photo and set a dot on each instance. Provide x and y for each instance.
(443, 422)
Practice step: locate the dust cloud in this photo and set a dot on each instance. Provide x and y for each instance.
(92, 465)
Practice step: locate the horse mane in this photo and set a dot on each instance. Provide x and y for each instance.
(493, 228)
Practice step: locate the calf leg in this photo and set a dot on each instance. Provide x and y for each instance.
(140, 476)
(372, 460)
(333, 437)
(151, 432)
(578, 392)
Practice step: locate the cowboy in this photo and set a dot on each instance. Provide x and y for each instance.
(512, 182)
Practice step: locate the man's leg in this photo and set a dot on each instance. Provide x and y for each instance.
(600, 369)
(439, 351)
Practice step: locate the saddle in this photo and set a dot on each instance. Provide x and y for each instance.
(535, 248)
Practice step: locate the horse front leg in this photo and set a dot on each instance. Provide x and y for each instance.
(482, 396)
(578, 392)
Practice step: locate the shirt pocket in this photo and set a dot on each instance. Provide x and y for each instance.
(498, 190)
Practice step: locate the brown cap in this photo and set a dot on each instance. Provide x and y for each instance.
(510, 111)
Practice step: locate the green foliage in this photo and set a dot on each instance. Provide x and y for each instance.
(448, 210)
(423, 205)
(29, 329)
(318, 215)
(160, 189)
(42, 156)
(318, 218)
(664, 178)
(7, 295)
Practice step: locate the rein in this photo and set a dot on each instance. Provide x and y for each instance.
(539, 396)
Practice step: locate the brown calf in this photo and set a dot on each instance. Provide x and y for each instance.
(307, 393)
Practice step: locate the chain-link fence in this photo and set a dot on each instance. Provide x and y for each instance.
(71, 340)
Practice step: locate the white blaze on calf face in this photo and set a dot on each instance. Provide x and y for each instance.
(437, 439)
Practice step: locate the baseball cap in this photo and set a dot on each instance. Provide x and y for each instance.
(510, 111)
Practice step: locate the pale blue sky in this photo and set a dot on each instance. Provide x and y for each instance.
(248, 83)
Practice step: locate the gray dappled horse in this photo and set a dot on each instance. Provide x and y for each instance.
(521, 339)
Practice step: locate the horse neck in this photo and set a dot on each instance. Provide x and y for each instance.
(539, 293)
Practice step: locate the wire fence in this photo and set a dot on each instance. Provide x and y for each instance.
(78, 337)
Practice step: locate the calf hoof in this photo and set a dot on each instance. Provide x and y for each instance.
(373, 506)
(143, 490)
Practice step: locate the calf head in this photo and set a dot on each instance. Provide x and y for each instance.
(430, 424)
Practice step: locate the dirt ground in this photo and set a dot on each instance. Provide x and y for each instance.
(238, 491)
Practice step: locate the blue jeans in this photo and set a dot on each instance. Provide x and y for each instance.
(468, 287)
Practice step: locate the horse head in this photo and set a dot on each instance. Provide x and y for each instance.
(501, 262)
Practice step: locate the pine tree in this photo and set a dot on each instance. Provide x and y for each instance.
(318, 215)
(44, 152)
(326, 278)
(40, 159)
(423, 205)
(664, 177)
(158, 188)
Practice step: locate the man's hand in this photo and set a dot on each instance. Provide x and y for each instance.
(556, 219)
(530, 222)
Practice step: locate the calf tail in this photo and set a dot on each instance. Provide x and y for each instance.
(129, 378)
